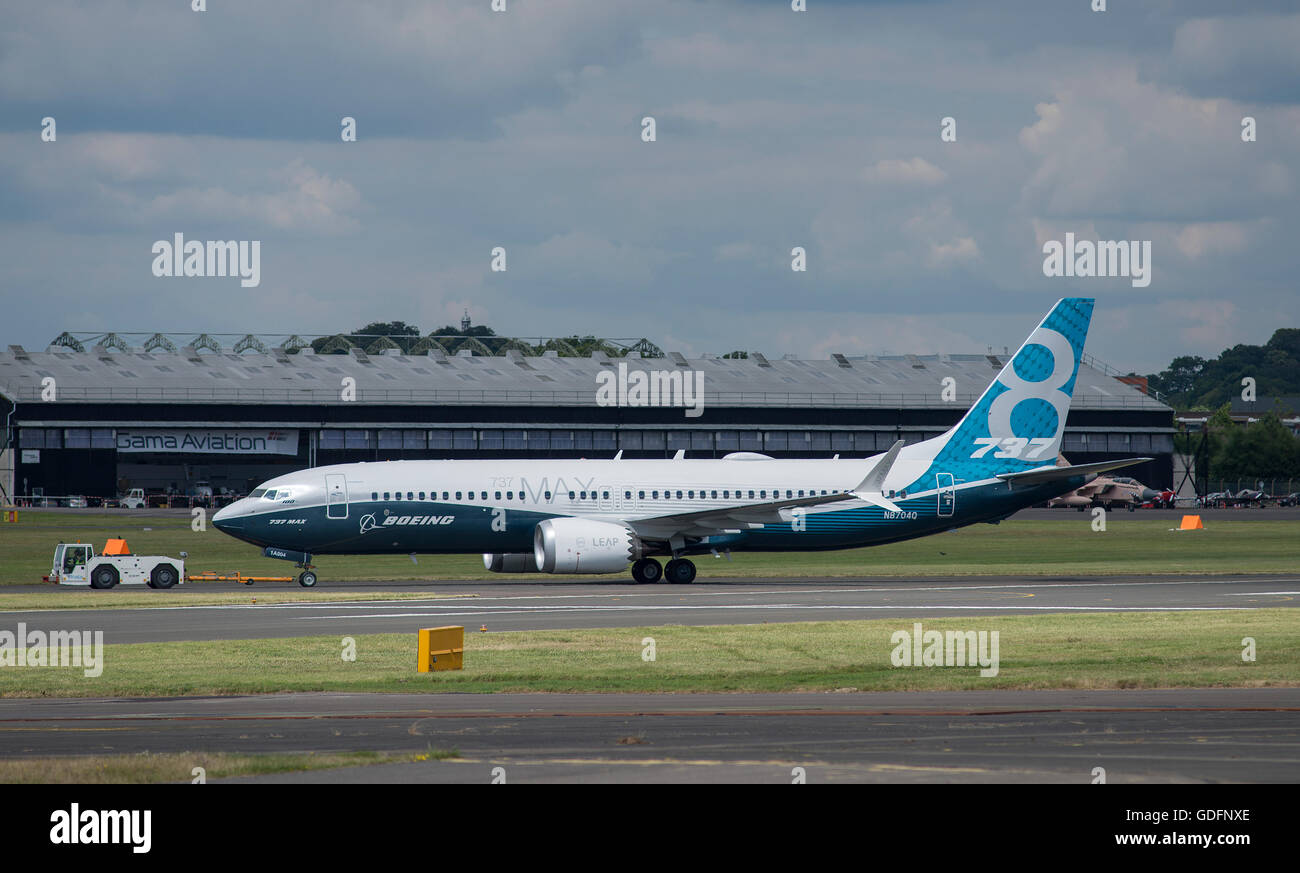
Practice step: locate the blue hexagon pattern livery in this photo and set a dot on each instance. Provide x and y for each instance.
(1017, 423)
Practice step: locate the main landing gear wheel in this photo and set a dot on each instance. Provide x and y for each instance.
(307, 579)
(647, 570)
(680, 571)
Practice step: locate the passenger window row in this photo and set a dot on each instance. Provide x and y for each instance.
(679, 494)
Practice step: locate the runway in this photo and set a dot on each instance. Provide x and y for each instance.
(1209, 735)
(516, 606)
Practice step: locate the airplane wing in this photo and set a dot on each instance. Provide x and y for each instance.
(746, 516)
(1040, 475)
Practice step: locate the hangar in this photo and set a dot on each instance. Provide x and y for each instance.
(98, 421)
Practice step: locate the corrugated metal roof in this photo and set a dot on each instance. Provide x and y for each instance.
(186, 376)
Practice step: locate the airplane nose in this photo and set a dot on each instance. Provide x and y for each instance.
(225, 518)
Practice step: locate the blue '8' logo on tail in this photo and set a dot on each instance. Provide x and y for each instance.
(1017, 423)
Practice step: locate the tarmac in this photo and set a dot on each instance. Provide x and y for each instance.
(537, 605)
(1199, 735)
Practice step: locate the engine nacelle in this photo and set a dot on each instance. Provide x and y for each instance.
(524, 562)
(580, 545)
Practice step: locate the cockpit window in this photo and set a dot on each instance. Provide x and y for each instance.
(270, 495)
(257, 492)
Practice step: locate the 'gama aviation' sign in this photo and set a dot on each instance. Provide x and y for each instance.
(209, 441)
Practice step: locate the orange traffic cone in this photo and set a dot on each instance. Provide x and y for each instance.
(1191, 522)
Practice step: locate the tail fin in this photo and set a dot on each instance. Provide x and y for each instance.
(1017, 423)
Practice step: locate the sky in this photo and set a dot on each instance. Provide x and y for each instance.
(774, 129)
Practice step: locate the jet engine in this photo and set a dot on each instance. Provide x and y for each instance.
(581, 545)
(523, 562)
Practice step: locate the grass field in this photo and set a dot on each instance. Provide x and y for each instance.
(1128, 650)
(179, 766)
(1051, 547)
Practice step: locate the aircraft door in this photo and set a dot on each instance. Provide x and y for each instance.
(336, 496)
(947, 494)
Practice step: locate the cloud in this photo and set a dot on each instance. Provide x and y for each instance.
(914, 171)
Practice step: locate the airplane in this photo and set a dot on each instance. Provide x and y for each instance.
(597, 516)
(1108, 492)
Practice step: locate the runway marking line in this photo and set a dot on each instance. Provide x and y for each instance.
(747, 713)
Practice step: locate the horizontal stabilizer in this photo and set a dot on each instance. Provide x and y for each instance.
(1040, 475)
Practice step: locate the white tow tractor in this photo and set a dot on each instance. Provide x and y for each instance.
(77, 564)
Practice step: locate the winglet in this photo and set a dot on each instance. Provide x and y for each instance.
(875, 480)
(871, 489)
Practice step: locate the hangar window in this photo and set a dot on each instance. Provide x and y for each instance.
(702, 439)
(678, 440)
(629, 440)
(602, 439)
(357, 439)
(40, 438)
(76, 438)
(463, 439)
(102, 438)
(439, 439)
(413, 439)
(491, 439)
(750, 441)
(331, 439)
(727, 440)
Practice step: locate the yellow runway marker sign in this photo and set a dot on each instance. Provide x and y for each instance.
(441, 648)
